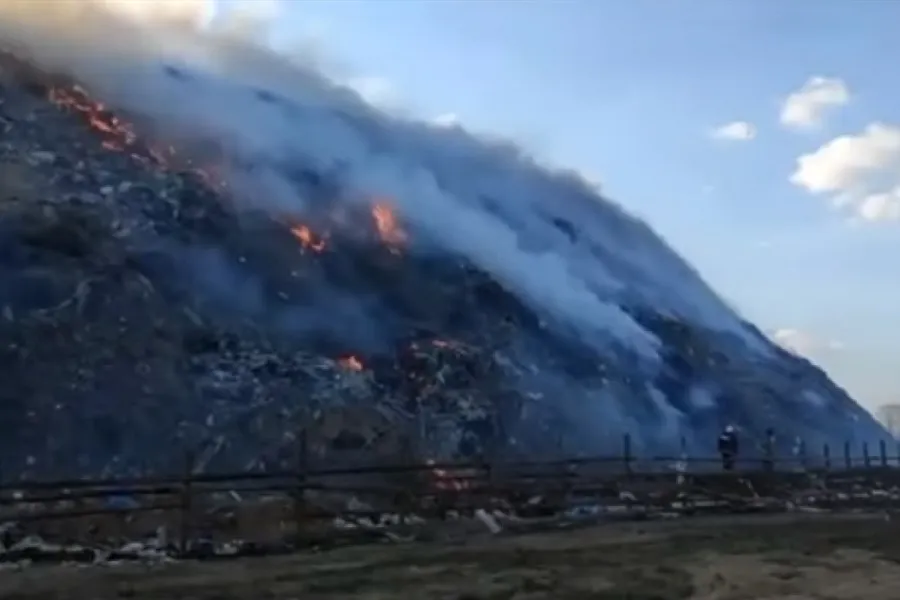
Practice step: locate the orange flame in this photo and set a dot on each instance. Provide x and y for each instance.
(351, 363)
(386, 223)
(308, 239)
(121, 136)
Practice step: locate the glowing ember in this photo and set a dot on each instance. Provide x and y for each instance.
(308, 239)
(386, 223)
(121, 136)
(351, 363)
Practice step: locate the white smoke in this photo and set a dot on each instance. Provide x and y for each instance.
(441, 179)
(192, 14)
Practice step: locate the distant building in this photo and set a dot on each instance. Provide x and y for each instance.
(889, 415)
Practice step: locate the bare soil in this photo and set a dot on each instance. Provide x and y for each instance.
(796, 557)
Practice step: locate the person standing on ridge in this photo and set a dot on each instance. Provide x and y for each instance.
(728, 447)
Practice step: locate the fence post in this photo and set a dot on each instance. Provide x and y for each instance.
(626, 452)
(848, 462)
(882, 449)
(186, 524)
(801, 454)
(683, 463)
(866, 460)
(826, 453)
(487, 466)
(301, 468)
(768, 460)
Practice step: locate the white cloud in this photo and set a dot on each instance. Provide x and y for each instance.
(739, 131)
(803, 343)
(860, 172)
(807, 107)
(883, 206)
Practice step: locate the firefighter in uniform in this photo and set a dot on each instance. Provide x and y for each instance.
(728, 447)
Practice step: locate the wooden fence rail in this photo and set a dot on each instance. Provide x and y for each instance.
(405, 486)
(627, 460)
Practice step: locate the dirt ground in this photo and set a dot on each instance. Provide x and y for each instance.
(738, 558)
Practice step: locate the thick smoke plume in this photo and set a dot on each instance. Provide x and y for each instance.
(204, 79)
(482, 201)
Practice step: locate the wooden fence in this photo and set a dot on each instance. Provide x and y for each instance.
(421, 488)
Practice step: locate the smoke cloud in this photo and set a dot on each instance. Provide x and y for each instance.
(202, 75)
(482, 200)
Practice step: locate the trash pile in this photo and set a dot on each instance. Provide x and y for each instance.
(143, 316)
(22, 545)
(237, 526)
(19, 550)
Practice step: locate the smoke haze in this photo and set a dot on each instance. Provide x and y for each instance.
(203, 77)
(119, 49)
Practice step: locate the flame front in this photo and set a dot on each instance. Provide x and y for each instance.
(118, 134)
(308, 239)
(121, 136)
(389, 230)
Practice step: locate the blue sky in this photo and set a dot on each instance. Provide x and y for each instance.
(630, 93)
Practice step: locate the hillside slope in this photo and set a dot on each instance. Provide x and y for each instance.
(224, 258)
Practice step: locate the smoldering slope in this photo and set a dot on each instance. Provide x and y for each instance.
(545, 235)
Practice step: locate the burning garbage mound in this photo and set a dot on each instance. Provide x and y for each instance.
(166, 293)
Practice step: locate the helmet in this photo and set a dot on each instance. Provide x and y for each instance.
(729, 429)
